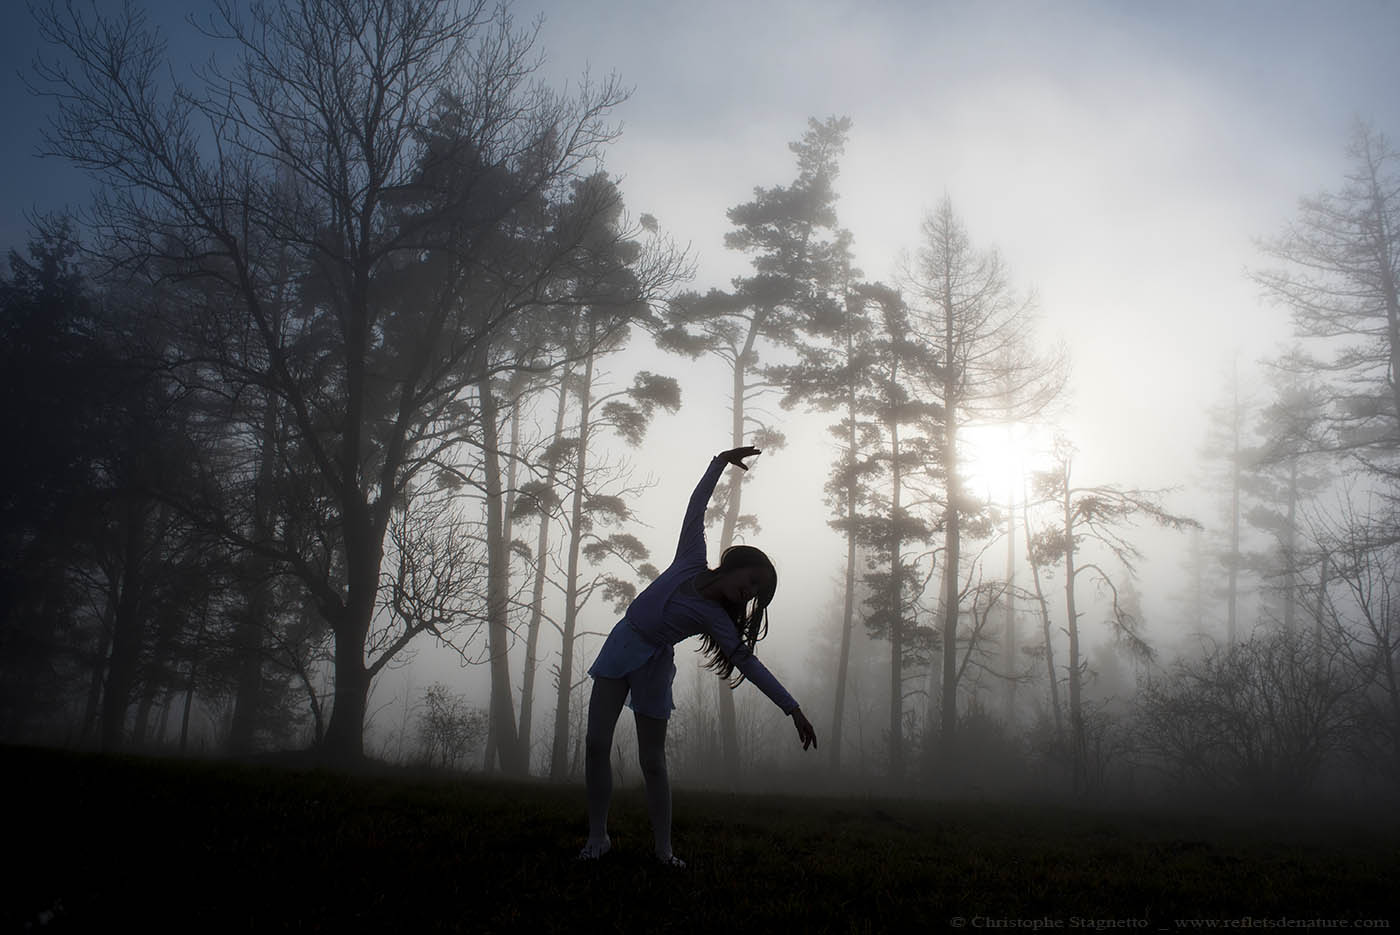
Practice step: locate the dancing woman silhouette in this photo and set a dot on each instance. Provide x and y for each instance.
(727, 608)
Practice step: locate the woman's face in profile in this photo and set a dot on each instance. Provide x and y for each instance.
(742, 585)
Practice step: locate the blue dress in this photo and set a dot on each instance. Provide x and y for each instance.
(640, 648)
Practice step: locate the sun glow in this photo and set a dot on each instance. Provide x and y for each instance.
(993, 459)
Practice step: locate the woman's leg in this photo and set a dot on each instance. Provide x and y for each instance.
(604, 705)
(651, 751)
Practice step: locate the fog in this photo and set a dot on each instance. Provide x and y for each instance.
(1137, 171)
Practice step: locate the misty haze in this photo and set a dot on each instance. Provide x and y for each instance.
(647, 466)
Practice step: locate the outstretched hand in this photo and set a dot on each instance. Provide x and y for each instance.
(736, 456)
(805, 733)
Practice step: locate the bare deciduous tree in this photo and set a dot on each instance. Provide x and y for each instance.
(985, 370)
(448, 727)
(357, 203)
(1260, 717)
(1356, 609)
(1092, 519)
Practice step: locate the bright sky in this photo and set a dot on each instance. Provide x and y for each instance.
(1122, 156)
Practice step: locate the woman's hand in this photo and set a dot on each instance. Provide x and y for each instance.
(736, 456)
(804, 729)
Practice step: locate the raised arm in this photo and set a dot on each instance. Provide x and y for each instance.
(692, 537)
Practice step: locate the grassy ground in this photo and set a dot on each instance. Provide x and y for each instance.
(104, 843)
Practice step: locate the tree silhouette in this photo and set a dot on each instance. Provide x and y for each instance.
(1286, 474)
(380, 190)
(985, 370)
(899, 453)
(1092, 518)
(790, 233)
(1339, 279)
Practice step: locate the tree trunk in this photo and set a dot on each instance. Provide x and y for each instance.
(849, 603)
(163, 722)
(185, 712)
(1321, 609)
(559, 754)
(1232, 618)
(92, 709)
(728, 721)
(532, 631)
(128, 624)
(1078, 750)
(344, 743)
(1047, 631)
(141, 726)
(952, 532)
(1009, 646)
(952, 544)
(364, 551)
(896, 611)
(252, 624)
(502, 707)
(156, 685)
(1290, 552)
(196, 649)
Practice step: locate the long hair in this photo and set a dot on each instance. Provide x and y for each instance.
(750, 620)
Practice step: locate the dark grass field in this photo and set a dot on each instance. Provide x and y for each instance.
(110, 844)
